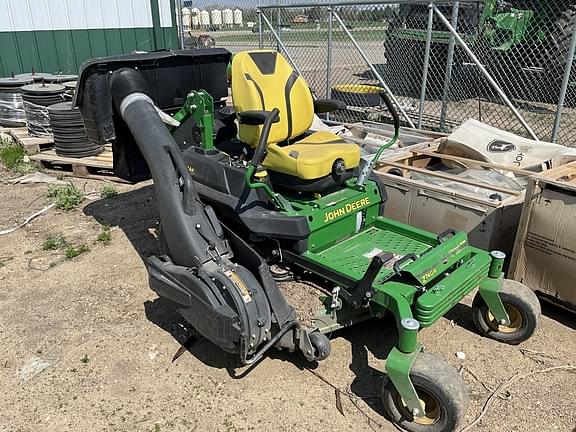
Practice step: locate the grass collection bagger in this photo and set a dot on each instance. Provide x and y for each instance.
(247, 195)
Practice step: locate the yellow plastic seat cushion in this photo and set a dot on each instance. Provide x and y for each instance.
(312, 157)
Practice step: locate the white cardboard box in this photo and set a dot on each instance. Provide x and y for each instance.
(544, 255)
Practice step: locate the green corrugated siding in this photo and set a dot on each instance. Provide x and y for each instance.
(65, 50)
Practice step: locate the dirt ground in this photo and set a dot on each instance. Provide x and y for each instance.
(109, 344)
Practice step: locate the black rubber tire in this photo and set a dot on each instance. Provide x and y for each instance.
(561, 33)
(321, 344)
(439, 380)
(518, 296)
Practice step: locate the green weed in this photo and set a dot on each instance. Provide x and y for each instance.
(66, 197)
(108, 191)
(72, 252)
(105, 235)
(54, 242)
(13, 157)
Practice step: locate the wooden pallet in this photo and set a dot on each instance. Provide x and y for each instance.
(98, 167)
(32, 145)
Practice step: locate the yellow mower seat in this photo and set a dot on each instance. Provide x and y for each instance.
(313, 157)
(263, 80)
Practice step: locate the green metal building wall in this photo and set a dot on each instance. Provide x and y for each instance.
(59, 35)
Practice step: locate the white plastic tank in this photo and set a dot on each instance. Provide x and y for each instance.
(216, 17)
(186, 19)
(227, 17)
(238, 18)
(195, 17)
(205, 18)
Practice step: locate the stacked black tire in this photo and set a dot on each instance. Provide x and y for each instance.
(11, 105)
(37, 97)
(70, 138)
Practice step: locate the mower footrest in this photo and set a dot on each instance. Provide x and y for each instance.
(447, 292)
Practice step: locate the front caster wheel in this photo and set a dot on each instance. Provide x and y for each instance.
(522, 307)
(321, 345)
(441, 391)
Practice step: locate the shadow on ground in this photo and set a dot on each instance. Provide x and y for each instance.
(557, 313)
(135, 213)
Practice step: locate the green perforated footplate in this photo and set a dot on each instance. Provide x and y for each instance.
(352, 256)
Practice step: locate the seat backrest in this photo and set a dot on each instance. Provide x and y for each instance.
(264, 80)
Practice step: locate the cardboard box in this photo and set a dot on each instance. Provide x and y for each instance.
(544, 255)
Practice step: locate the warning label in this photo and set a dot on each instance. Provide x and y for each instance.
(548, 246)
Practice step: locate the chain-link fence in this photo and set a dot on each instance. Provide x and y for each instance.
(506, 64)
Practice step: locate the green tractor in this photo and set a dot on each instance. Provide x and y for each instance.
(522, 43)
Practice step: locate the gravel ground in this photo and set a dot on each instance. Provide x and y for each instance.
(104, 344)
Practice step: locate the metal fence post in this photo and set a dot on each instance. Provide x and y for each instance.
(373, 69)
(278, 26)
(449, 61)
(329, 60)
(179, 8)
(260, 29)
(426, 64)
(564, 88)
(486, 74)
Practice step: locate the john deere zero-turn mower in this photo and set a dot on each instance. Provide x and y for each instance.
(232, 205)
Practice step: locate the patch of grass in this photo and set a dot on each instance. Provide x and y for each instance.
(2, 264)
(14, 158)
(105, 235)
(54, 242)
(66, 197)
(156, 428)
(108, 191)
(58, 242)
(72, 252)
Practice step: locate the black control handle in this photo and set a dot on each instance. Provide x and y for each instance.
(404, 259)
(260, 152)
(390, 105)
(445, 234)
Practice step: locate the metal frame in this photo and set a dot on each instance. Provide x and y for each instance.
(426, 64)
(449, 62)
(564, 88)
(180, 6)
(329, 58)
